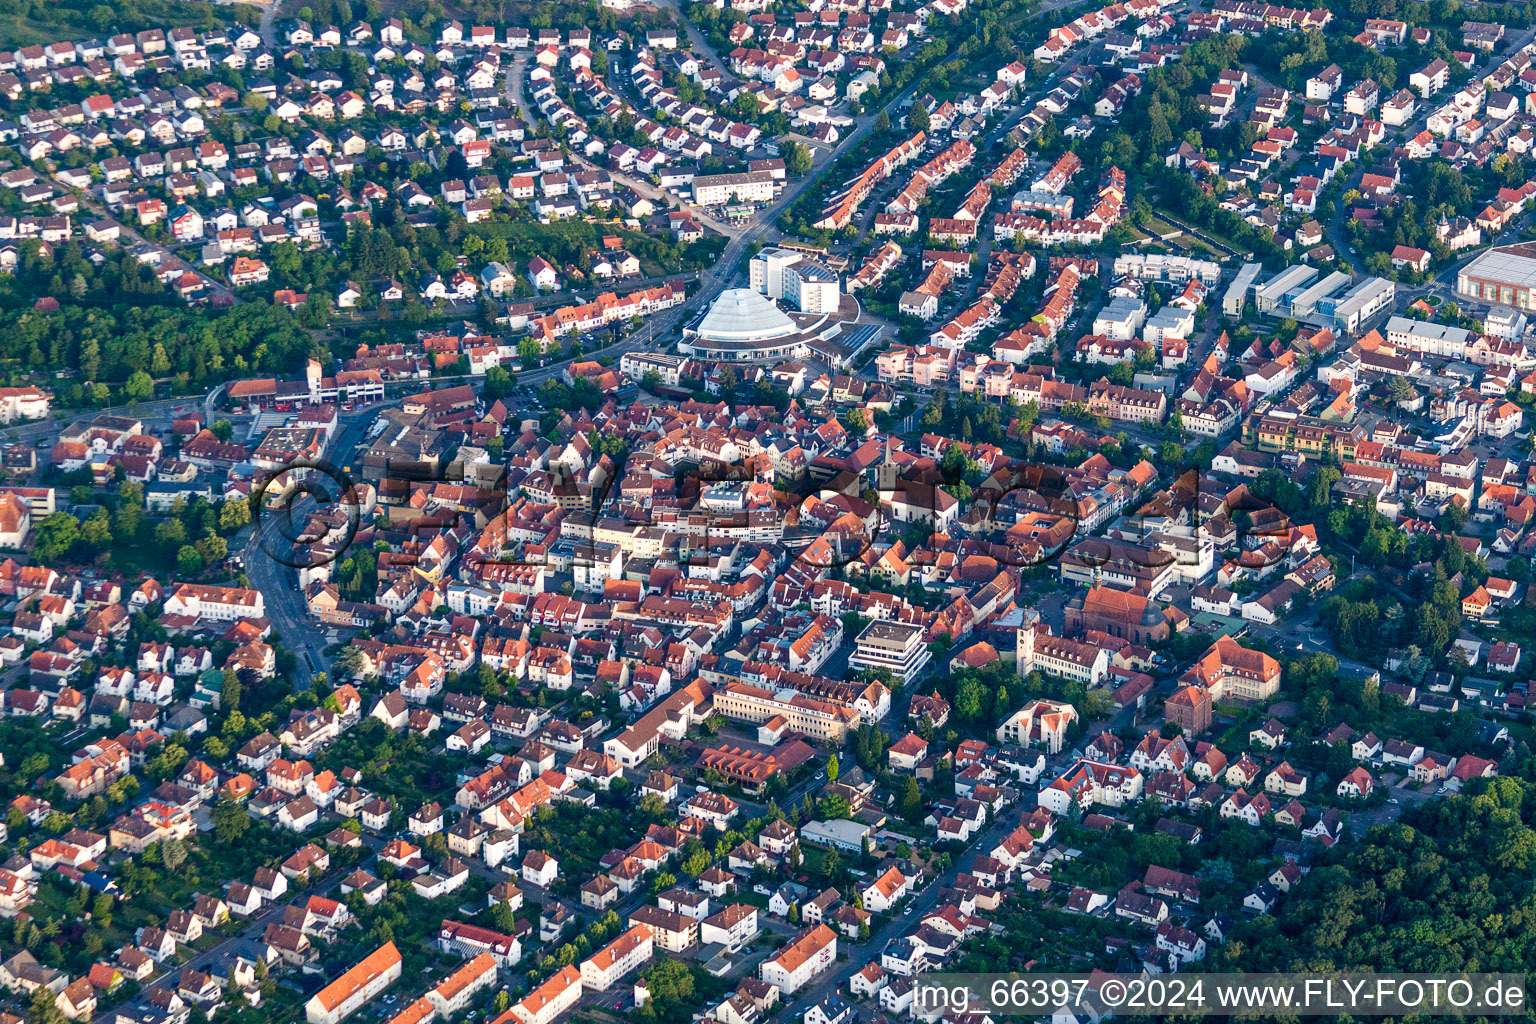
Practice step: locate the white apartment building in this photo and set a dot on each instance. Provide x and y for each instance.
(360, 985)
(1122, 319)
(718, 189)
(812, 287)
(766, 271)
(454, 993)
(547, 1002)
(1092, 783)
(635, 365)
(732, 927)
(804, 283)
(1061, 657)
(624, 954)
(208, 602)
(27, 403)
(793, 967)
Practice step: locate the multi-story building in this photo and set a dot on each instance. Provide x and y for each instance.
(1305, 434)
(1040, 723)
(794, 966)
(1236, 296)
(1091, 783)
(1228, 669)
(898, 646)
(1189, 707)
(360, 985)
(766, 272)
(1131, 405)
(670, 718)
(670, 369)
(748, 187)
(672, 931)
(23, 403)
(817, 719)
(732, 927)
(1061, 657)
(201, 601)
(812, 287)
(547, 1002)
(454, 993)
(624, 954)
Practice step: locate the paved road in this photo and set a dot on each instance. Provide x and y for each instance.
(268, 17)
(267, 560)
(247, 940)
(514, 92)
(725, 272)
(290, 617)
(212, 288)
(836, 980)
(701, 45)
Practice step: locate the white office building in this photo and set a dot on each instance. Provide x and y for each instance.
(766, 271)
(897, 646)
(1236, 295)
(1359, 304)
(1273, 296)
(1304, 303)
(801, 282)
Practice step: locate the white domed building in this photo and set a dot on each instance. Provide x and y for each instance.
(746, 326)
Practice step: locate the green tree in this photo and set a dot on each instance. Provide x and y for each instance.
(97, 530)
(834, 805)
(54, 536)
(670, 983)
(911, 804)
(229, 691)
(189, 562)
(213, 548)
(44, 1010)
(139, 387)
(230, 821)
(172, 533)
(746, 105)
(498, 383)
(971, 699)
(797, 159)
